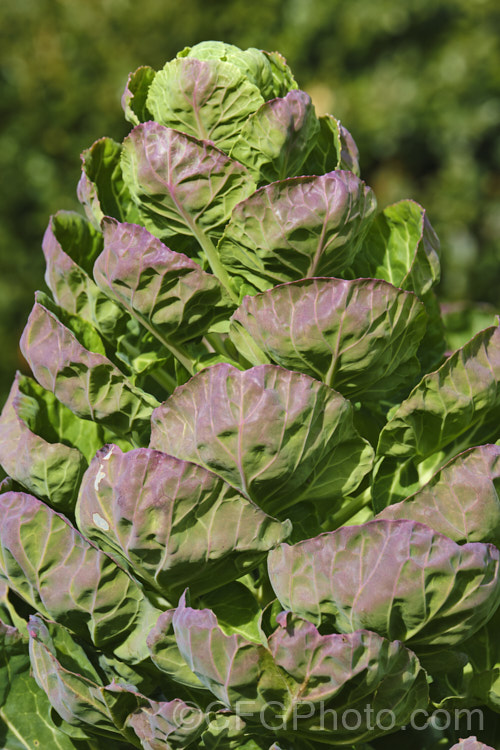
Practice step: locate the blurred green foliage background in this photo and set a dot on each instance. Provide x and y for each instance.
(416, 82)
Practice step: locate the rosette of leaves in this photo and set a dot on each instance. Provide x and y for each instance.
(250, 502)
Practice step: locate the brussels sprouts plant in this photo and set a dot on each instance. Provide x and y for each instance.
(250, 500)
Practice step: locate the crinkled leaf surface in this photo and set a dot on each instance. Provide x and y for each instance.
(359, 337)
(173, 523)
(345, 673)
(453, 408)
(266, 70)
(334, 148)
(59, 573)
(52, 470)
(85, 381)
(167, 291)
(461, 500)
(399, 578)
(182, 185)
(236, 670)
(296, 228)
(208, 99)
(401, 247)
(275, 142)
(276, 435)
(102, 190)
(136, 93)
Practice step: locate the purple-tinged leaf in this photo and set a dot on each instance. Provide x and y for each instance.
(85, 381)
(166, 725)
(101, 189)
(47, 467)
(172, 523)
(359, 337)
(276, 140)
(165, 653)
(471, 743)
(343, 673)
(461, 500)
(182, 185)
(135, 95)
(276, 435)
(334, 149)
(238, 672)
(167, 291)
(297, 228)
(60, 574)
(399, 578)
(208, 99)
(451, 409)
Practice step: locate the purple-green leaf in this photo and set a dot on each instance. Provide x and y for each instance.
(276, 140)
(276, 435)
(399, 578)
(172, 523)
(297, 228)
(85, 381)
(59, 573)
(167, 291)
(208, 99)
(359, 337)
(461, 500)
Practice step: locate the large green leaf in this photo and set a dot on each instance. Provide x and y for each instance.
(401, 247)
(359, 337)
(275, 142)
(172, 523)
(399, 578)
(277, 436)
(295, 228)
(209, 99)
(334, 148)
(266, 70)
(101, 189)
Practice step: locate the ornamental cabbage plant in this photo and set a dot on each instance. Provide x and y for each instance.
(250, 500)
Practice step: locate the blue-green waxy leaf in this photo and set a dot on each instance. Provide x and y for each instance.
(359, 337)
(101, 189)
(276, 435)
(85, 381)
(401, 247)
(399, 578)
(181, 184)
(451, 409)
(43, 446)
(208, 99)
(168, 292)
(461, 500)
(173, 523)
(297, 228)
(276, 140)
(60, 574)
(268, 71)
(136, 93)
